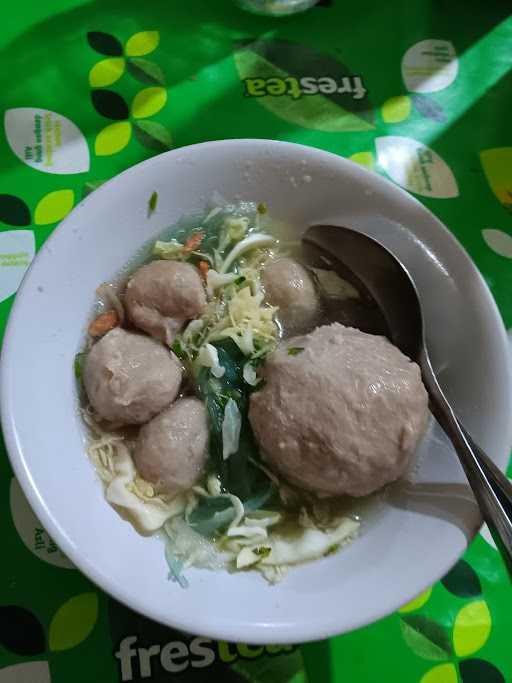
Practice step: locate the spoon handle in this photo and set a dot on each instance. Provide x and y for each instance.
(491, 488)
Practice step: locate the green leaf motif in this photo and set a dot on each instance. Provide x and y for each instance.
(425, 637)
(110, 104)
(429, 108)
(90, 186)
(282, 62)
(13, 210)
(20, 631)
(104, 43)
(153, 135)
(145, 71)
(73, 621)
(480, 671)
(497, 165)
(462, 581)
(283, 667)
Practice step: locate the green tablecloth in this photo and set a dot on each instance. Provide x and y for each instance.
(90, 88)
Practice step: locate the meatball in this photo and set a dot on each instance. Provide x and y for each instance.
(162, 295)
(289, 286)
(171, 450)
(341, 411)
(129, 377)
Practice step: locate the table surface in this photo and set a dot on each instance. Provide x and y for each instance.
(124, 80)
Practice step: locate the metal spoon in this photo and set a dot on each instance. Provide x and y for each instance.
(389, 304)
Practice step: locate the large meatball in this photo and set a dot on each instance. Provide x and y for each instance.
(129, 377)
(162, 295)
(341, 411)
(289, 286)
(171, 450)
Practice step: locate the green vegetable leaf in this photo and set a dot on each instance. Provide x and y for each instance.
(178, 350)
(146, 71)
(175, 566)
(153, 135)
(295, 350)
(212, 515)
(425, 637)
(238, 474)
(153, 201)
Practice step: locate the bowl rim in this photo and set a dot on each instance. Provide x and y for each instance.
(260, 633)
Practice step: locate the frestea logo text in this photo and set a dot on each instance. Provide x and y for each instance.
(137, 663)
(304, 86)
(307, 85)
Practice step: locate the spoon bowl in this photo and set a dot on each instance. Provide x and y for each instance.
(391, 300)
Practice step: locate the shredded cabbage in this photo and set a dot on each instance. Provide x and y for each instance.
(254, 241)
(209, 358)
(249, 374)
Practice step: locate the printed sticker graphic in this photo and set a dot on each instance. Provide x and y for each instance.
(396, 109)
(142, 43)
(113, 138)
(462, 581)
(21, 631)
(415, 167)
(497, 165)
(443, 673)
(303, 87)
(46, 141)
(417, 602)
(73, 621)
(17, 249)
(14, 210)
(54, 206)
(106, 72)
(30, 529)
(429, 66)
(29, 672)
(472, 628)
(425, 637)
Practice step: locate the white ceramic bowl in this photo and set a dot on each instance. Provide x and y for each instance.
(423, 526)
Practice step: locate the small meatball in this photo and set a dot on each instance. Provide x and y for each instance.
(162, 295)
(129, 377)
(341, 411)
(289, 286)
(171, 451)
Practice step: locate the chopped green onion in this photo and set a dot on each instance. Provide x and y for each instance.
(78, 365)
(153, 201)
(178, 349)
(261, 208)
(332, 549)
(295, 350)
(262, 551)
